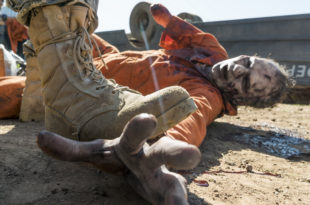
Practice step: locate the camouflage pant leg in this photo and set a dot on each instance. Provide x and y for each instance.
(23, 7)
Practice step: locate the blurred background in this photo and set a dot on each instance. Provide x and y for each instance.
(114, 15)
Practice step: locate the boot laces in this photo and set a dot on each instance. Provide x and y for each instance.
(83, 60)
(82, 53)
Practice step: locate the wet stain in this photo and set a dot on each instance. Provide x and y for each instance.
(273, 140)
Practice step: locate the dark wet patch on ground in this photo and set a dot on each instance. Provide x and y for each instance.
(273, 140)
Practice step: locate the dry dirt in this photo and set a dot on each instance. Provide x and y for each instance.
(259, 157)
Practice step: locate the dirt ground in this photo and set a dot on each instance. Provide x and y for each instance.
(261, 156)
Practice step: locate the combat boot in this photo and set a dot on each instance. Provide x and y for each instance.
(79, 102)
(32, 108)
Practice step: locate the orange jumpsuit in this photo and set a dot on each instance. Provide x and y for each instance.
(11, 89)
(183, 45)
(17, 32)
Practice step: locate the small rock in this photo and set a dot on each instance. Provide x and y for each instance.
(65, 190)
(54, 191)
(212, 180)
(249, 168)
(247, 161)
(231, 163)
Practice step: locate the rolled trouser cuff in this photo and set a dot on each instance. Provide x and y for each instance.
(23, 7)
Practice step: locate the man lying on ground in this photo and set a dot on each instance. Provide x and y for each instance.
(196, 61)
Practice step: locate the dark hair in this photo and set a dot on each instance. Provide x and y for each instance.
(278, 93)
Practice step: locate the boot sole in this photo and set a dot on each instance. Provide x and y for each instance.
(175, 115)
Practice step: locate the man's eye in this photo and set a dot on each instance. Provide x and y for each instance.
(248, 63)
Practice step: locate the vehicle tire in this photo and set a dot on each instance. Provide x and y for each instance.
(141, 13)
(191, 18)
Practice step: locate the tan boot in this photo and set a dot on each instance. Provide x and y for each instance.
(79, 102)
(32, 108)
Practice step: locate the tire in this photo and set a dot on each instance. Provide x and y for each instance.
(191, 18)
(142, 13)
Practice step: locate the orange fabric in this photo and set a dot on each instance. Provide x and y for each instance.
(16, 31)
(183, 45)
(11, 89)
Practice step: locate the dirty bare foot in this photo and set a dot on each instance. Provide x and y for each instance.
(147, 174)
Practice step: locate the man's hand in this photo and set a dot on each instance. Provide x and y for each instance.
(129, 153)
(161, 14)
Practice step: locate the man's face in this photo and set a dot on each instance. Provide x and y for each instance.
(245, 80)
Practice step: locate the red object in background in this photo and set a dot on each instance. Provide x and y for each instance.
(16, 31)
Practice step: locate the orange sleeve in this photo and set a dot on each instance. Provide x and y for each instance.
(16, 31)
(11, 89)
(182, 35)
(103, 46)
(210, 105)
